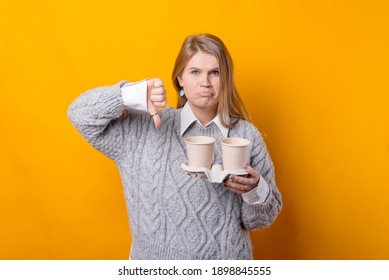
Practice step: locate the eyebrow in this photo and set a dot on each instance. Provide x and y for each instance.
(196, 68)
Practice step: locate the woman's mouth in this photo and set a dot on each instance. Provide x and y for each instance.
(205, 94)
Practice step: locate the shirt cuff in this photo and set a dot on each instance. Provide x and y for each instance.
(135, 95)
(257, 195)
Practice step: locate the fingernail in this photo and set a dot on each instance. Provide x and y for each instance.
(231, 178)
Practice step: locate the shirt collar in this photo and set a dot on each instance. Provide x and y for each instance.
(188, 117)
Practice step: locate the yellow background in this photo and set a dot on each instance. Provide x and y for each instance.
(314, 75)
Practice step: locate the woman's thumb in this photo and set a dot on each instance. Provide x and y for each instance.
(154, 114)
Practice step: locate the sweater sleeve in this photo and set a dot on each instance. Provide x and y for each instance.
(264, 214)
(96, 114)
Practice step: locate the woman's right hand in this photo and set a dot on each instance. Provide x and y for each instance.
(156, 97)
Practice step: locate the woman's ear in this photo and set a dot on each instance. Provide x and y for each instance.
(180, 81)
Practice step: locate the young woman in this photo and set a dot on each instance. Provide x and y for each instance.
(173, 215)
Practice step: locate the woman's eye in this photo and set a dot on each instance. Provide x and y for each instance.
(215, 73)
(194, 72)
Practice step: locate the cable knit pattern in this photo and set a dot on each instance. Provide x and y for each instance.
(172, 215)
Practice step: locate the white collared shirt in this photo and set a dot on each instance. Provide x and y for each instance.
(135, 96)
(188, 117)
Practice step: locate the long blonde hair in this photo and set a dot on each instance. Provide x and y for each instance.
(230, 103)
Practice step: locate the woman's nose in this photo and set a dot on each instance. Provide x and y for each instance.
(205, 82)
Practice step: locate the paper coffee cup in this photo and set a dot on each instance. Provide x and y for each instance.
(200, 151)
(235, 153)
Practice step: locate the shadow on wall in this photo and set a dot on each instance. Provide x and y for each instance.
(280, 240)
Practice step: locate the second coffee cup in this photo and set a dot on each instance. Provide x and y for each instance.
(235, 153)
(200, 151)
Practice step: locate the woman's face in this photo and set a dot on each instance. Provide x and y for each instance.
(201, 82)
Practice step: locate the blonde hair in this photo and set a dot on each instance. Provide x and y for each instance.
(230, 103)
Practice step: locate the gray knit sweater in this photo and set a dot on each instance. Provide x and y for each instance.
(173, 215)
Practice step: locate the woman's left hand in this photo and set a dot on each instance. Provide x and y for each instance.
(241, 184)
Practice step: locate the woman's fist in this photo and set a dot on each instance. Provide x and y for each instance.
(156, 97)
